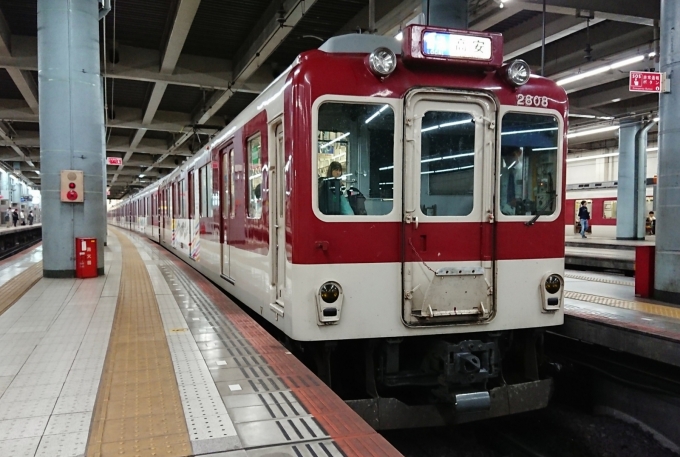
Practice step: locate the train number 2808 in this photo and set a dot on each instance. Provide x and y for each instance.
(532, 100)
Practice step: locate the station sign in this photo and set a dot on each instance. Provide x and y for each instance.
(114, 161)
(647, 81)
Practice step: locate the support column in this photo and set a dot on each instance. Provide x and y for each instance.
(71, 129)
(446, 13)
(630, 198)
(667, 265)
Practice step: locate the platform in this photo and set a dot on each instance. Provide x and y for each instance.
(600, 254)
(152, 359)
(603, 309)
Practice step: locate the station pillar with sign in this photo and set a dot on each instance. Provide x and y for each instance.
(72, 150)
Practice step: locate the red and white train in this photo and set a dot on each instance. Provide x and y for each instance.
(397, 210)
(601, 200)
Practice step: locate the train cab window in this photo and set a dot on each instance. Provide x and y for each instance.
(355, 159)
(528, 164)
(254, 156)
(447, 158)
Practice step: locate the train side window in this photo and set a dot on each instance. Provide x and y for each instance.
(528, 164)
(254, 156)
(355, 159)
(447, 163)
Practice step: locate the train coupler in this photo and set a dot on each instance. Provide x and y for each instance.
(468, 362)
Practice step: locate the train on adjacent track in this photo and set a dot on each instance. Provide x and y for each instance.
(396, 211)
(602, 202)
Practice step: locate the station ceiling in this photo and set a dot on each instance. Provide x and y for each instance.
(179, 70)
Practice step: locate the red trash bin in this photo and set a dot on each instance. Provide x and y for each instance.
(86, 257)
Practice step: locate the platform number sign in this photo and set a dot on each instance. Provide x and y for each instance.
(72, 190)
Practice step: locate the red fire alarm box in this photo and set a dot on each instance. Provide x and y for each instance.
(86, 257)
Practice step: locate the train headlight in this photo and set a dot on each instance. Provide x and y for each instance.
(553, 284)
(329, 292)
(518, 72)
(552, 292)
(329, 303)
(382, 62)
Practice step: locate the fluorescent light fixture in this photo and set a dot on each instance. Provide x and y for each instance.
(376, 114)
(602, 156)
(517, 132)
(656, 119)
(399, 36)
(592, 116)
(259, 175)
(344, 135)
(545, 149)
(434, 159)
(597, 71)
(592, 131)
(625, 62)
(142, 175)
(446, 170)
(616, 100)
(448, 124)
(651, 54)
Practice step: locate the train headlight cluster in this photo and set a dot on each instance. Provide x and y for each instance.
(552, 291)
(553, 284)
(329, 292)
(382, 62)
(517, 72)
(329, 303)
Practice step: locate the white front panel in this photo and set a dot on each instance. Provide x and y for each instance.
(372, 301)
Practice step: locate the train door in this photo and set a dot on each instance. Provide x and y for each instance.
(227, 204)
(447, 259)
(277, 229)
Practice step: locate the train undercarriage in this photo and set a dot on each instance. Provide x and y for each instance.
(433, 381)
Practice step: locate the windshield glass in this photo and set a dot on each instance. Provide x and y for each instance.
(355, 159)
(528, 164)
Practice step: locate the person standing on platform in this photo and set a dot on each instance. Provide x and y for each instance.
(584, 217)
(30, 218)
(15, 217)
(8, 217)
(22, 216)
(651, 220)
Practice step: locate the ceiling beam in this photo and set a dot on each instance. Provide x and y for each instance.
(528, 35)
(642, 13)
(23, 80)
(273, 27)
(595, 98)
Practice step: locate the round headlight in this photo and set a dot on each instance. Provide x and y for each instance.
(382, 61)
(329, 292)
(518, 72)
(553, 284)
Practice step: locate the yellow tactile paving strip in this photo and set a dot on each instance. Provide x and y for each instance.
(138, 411)
(650, 308)
(618, 282)
(13, 289)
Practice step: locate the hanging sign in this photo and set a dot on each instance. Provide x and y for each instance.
(114, 161)
(647, 81)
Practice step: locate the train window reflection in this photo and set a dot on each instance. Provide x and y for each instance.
(254, 177)
(447, 158)
(528, 165)
(355, 159)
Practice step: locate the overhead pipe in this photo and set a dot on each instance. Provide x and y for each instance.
(104, 10)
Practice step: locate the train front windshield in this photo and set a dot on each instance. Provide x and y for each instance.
(528, 166)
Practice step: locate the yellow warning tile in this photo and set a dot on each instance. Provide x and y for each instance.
(645, 307)
(138, 411)
(15, 288)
